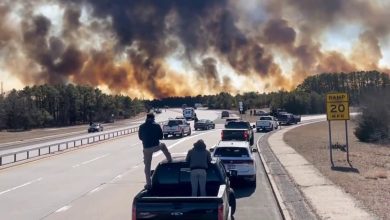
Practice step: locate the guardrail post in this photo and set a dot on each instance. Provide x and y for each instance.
(39, 151)
(14, 158)
(58, 147)
(1, 161)
(67, 145)
(28, 154)
(49, 149)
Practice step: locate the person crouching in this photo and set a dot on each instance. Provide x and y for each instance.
(198, 158)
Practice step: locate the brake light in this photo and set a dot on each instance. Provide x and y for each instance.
(246, 135)
(220, 212)
(221, 135)
(134, 213)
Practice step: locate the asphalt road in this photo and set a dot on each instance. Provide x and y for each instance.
(99, 182)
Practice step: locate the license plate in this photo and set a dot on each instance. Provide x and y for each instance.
(230, 167)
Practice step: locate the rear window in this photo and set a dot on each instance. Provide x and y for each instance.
(266, 118)
(175, 122)
(202, 121)
(231, 152)
(237, 124)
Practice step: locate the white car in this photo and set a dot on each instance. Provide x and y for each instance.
(266, 123)
(237, 156)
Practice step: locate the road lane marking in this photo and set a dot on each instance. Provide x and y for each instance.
(63, 209)
(20, 186)
(90, 161)
(97, 189)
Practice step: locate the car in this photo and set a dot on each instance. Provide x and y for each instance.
(169, 196)
(224, 114)
(237, 156)
(176, 127)
(95, 127)
(238, 129)
(204, 124)
(157, 110)
(189, 113)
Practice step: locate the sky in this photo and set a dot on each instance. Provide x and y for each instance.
(156, 49)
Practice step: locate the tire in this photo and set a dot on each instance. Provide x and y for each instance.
(272, 128)
(251, 141)
(165, 136)
(182, 134)
(189, 133)
(232, 201)
(258, 130)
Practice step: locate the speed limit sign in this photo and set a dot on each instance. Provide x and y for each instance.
(337, 106)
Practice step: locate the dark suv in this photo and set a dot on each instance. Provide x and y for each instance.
(242, 128)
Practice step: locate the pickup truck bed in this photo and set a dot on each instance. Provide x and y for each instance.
(170, 194)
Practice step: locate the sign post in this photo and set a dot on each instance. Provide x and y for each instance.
(337, 108)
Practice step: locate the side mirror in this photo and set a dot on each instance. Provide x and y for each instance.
(254, 149)
(211, 149)
(254, 126)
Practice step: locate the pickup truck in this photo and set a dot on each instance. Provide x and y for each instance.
(238, 130)
(176, 127)
(169, 197)
(266, 123)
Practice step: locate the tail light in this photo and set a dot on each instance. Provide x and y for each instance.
(220, 212)
(221, 135)
(246, 135)
(134, 213)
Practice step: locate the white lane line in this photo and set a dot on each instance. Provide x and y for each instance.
(63, 209)
(90, 161)
(97, 189)
(23, 185)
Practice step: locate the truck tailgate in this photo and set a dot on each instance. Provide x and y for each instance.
(233, 135)
(176, 208)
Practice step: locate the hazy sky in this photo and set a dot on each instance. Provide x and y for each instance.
(174, 47)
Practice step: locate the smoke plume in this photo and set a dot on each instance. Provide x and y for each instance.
(156, 49)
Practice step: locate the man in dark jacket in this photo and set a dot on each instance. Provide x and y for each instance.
(150, 134)
(198, 158)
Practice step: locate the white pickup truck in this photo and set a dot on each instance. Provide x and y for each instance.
(176, 127)
(266, 123)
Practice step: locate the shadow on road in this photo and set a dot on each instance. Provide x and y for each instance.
(242, 190)
(349, 169)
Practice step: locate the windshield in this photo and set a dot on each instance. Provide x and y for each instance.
(231, 152)
(238, 124)
(175, 122)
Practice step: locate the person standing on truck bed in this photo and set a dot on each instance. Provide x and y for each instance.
(150, 133)
(198, 158)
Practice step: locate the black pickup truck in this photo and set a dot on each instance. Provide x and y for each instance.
(170, 198)
(239, 131)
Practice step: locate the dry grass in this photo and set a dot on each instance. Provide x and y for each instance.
(370, 184)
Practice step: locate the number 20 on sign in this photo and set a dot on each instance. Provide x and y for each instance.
(337, 106)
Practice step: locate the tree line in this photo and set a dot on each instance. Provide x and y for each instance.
(307, 98)
(63, 105)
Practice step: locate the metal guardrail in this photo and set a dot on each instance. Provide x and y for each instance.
(18, 156)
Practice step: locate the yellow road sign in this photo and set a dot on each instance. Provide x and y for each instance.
(337, 97)
(337, 106)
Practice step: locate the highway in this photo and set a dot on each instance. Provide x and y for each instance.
(100, 181)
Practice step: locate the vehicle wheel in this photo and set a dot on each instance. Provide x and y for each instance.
(251, 141)
(272, 128)
(182, 134)
(232, 201)
(165, 136)
(258, 130)
(189, 133)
